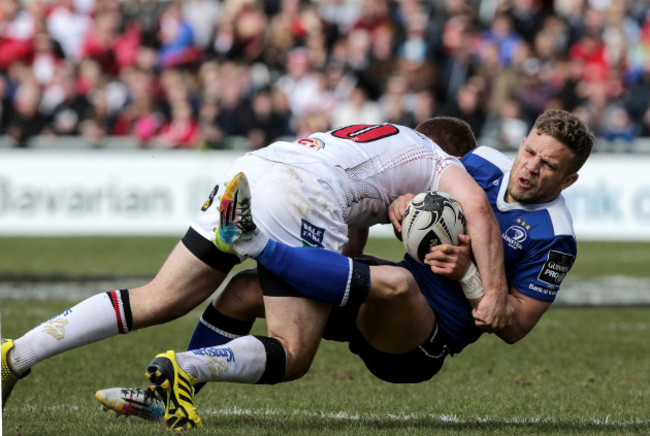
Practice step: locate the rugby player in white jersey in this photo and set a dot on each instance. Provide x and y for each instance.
(404, 319)
(307, 192)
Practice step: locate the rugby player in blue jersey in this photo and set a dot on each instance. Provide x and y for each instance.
(308, 191)
(403, 319)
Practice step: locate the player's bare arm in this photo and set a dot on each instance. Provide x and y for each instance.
(526, 313)
(357, 239)
(494, 310)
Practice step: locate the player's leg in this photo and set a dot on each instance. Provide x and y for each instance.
(232, 313)
(294, 328)
(229, 316)
(395, 317)
(248, 359)
(294, 325)
(181, 284)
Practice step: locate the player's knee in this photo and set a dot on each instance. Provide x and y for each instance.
(299, 359)
(297, 366)
(397, 286)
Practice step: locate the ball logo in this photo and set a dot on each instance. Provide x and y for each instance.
(431, 218)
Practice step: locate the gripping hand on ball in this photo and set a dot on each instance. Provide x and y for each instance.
(450, 261)
(396, 212)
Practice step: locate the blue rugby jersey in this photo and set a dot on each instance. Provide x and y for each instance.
(539, 246)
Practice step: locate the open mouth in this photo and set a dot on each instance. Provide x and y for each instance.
(524, 182)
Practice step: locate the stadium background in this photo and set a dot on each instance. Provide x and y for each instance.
(116, 114)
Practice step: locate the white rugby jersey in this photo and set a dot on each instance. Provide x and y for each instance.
(366, 166)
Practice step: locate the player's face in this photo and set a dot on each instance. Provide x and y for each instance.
(541, 170)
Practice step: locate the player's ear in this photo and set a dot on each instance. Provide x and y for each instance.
(569, 180)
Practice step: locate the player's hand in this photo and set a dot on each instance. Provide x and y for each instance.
(494, 312)
(396, 211)
(450, 261)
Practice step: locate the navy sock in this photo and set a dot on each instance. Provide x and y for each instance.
(318, 274)
(215, 328)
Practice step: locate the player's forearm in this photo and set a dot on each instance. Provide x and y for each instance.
(526, 314)
(487, 246)
(515, 331)
(357, 239)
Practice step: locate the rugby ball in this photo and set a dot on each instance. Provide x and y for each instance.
(431, 218)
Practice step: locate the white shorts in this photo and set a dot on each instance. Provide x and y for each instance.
(289, 203)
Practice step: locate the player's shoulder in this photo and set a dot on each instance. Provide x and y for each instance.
(551, 220)
(486, 165)
(487, 157)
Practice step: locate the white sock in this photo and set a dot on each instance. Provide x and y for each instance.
(251, 247)
(241, 360)
(89, 321)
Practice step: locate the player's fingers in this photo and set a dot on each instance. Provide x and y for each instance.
(464, 239)
(445, 248)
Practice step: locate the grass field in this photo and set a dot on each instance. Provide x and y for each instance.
(581, 371)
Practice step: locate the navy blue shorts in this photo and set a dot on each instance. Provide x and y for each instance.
(414, 366)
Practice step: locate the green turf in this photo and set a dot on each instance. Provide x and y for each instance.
(22, 256)
(581, 371)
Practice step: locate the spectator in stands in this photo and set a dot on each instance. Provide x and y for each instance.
(182, 130)
(381, 62)
(533, 92)
(68, 26)
(99, 42)
(235, 113)
(424, 107)
(591, 57)
(26, 120)
(202, 16)
(618, 128)
(99, 121)
(17, 29)
(468, 106)
(5, 105)
(176, 38)
(70, 112)
(359, 108)
(502, 34)
(300, 84)
(45, 59)
(267, 125)
(513, 125)
(210, 135)
(638, 100)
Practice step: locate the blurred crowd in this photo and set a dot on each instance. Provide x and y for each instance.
(222, 73)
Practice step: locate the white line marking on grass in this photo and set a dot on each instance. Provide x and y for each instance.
(442, 418)
(604, 423)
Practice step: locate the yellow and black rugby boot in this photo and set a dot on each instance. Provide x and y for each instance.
(9, 377)
(164, 373)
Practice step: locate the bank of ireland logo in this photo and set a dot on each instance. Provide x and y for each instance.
(516, 234)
